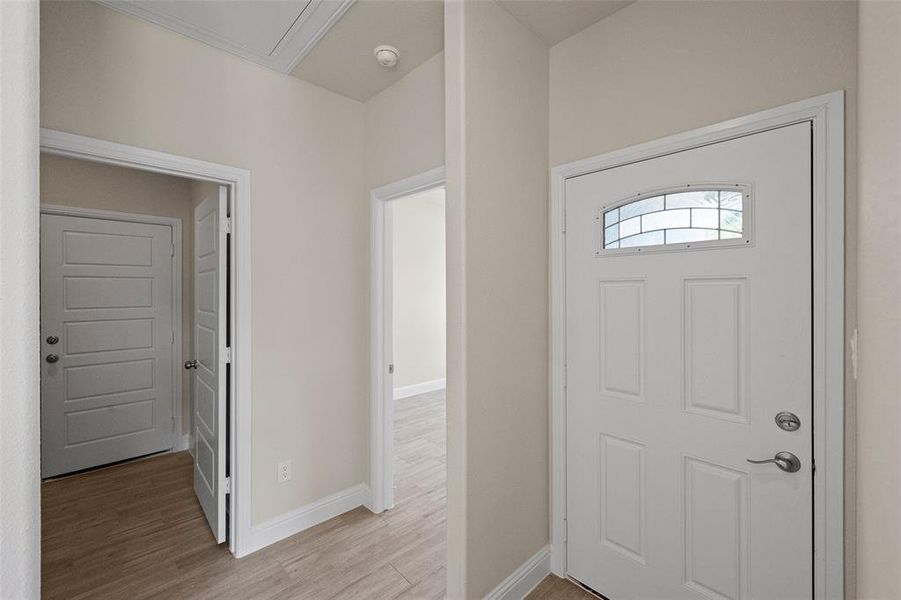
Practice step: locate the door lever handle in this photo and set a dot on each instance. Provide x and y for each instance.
(786, 461)
(190, 364)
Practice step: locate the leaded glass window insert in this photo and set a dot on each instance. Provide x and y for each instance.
(681, 217)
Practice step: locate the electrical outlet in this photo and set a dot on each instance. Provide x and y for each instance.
(284, 471)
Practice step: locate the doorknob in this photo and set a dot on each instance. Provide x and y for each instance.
(786, 461)
(191, 364)
(52, 358)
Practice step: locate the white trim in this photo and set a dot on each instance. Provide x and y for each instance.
(419, 388)
(826, 112)
(238, 180)
(177, 316)
(306, 31)
(293, 522)
(524, 579)
(381, 389)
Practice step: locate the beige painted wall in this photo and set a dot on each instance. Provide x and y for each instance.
(657, 68)
(114, 77)
(405, 126)
(497, 303)
(71, 182)
(879, 383)
(20, 453)
(418, 288)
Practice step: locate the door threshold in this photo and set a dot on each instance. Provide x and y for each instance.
(118, 463)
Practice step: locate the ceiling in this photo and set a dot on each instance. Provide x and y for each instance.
(556, 20)
(330, 42)
(273, 33)
(342, 61)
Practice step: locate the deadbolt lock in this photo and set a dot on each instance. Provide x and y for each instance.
(52, 339)
(788, 421)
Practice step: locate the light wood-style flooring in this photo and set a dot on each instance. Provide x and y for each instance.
(136, 531)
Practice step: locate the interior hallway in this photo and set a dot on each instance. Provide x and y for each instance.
(137, 531)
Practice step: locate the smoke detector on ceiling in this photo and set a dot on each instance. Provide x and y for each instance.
(387, 56)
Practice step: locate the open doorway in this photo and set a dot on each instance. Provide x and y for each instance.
(408, 317)
(135, 365)
(408, 396)
(418, 349)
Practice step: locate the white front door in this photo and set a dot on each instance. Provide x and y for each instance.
(106, 340)
(688, 330)
(210, 357)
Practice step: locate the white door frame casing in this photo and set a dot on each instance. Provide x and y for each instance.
(381, 394)
(179, 440)
(238, 180)
(826, 113)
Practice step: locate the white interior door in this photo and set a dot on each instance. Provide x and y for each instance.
(107, 341)
(210, 357)
(679, 358)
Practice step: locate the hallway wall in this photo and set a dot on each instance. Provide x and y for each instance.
(405, 126)
(497, 402)
(20, 457)
(879, 383)
(114, 77)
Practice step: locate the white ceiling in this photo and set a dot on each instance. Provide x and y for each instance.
(556, 20)
(274, 33)
(342, 61)
(329, 42)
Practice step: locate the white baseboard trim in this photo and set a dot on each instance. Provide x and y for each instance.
(182, 443)
(295, 521)
(419, 388)
(524, 579)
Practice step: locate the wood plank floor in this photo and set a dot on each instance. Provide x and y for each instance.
(136, 531)
(554, 588)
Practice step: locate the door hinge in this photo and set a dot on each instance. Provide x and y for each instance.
(227, 484)
(565, 530)
(391, 369)
(172, 249)
(564, 376)
(228, 224)
(172, 341)
(813, 466)
(227, 354)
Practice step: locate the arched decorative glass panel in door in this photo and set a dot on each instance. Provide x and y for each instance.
(688, 215)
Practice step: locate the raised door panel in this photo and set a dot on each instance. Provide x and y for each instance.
(716, 530)
(622, 339)
(715, 347)
(622, 496)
